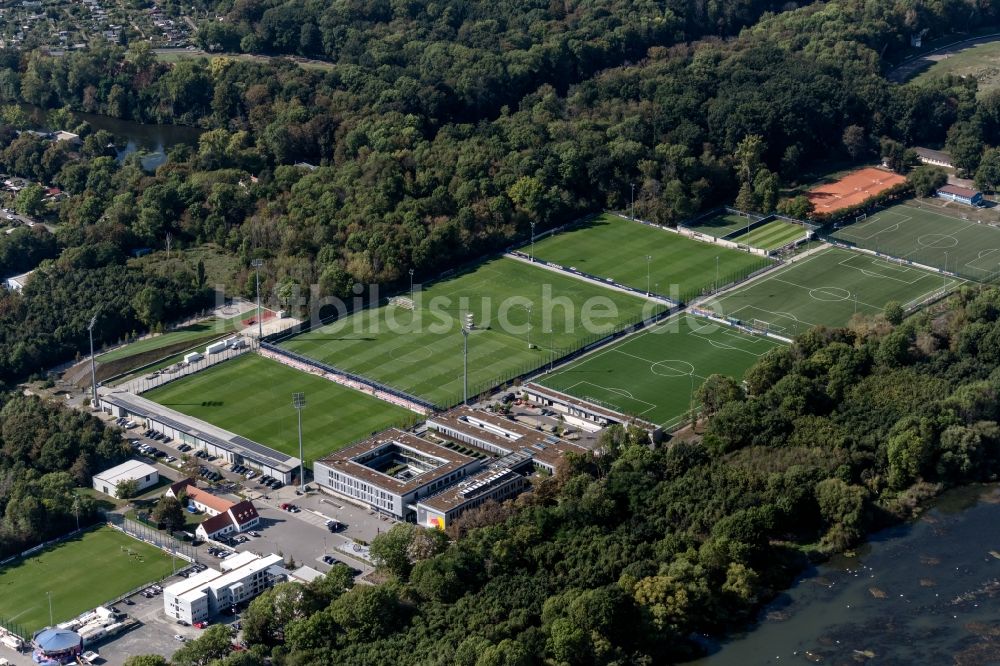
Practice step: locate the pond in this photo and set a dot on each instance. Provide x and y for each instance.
(153, 141)
(925, 592)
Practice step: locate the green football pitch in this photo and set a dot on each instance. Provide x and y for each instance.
(952, 239)
(719, 225)
(827, 288)
(678, 267)
(514, 304)
(252, 396)
(772, 235)
(653, 374)
(81, 573)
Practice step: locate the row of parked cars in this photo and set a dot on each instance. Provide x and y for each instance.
(209, 474)
(150, 451)
(191, 570)
(125, 422)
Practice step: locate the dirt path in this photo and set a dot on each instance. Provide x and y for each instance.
(910, 68)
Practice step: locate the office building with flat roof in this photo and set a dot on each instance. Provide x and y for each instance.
(392, 470)
(202, 595)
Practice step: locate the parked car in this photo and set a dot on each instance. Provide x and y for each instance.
(184, 623)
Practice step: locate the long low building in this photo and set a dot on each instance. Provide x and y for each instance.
(502, 436)
(202, 595)
(581, 413)
(201, 434)
(392, 470)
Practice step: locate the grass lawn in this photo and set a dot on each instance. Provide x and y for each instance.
(252, 396)
(611, 247)
(772, 235)
(205, 330)
(81, 574)
(652, 374)
(982, 62)
(931, 237)
(827, 288)
(420, 350)
(719, 225)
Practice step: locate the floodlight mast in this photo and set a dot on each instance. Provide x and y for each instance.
(298, 402)
(467, 325)
(93, 363)
(257, 263)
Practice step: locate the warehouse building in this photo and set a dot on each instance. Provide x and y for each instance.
(201, 435)
(201, 596)
(133, 470)
(392, 470)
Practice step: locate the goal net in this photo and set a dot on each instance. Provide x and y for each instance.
(761, 325)
(404, 302)
(862, 217)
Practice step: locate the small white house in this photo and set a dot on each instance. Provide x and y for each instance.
(17, 282)
(108, 480)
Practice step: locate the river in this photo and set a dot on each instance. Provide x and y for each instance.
(153, 141)
(926, 592)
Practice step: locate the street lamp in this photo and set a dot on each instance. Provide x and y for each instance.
(944, 285)
(528, 308)
(298, 402)
(716, 272)
(49, 595)
(257, 263)
(93, 363)
(633, 201)
(411, 284)
(532, 241)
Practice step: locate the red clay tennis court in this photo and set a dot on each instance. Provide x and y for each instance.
(853, 189)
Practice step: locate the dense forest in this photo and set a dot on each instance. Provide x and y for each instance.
(400, 186)
(46, 452)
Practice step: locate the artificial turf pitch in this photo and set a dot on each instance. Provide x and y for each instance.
(81, 573)
(653, 374)
(937, 239)
(420, 350)
(827, 288)
(611, 247)
(772, 235)
(252, 396)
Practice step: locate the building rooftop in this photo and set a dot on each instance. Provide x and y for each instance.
(130, 469)
(931, 154)
(244, 512)
(214, 502)
(237, 574)
(507, 435)
(470, 488)
(357, 460)
(609, 414)
(219, 521)
(206, 431)
(958, 190)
